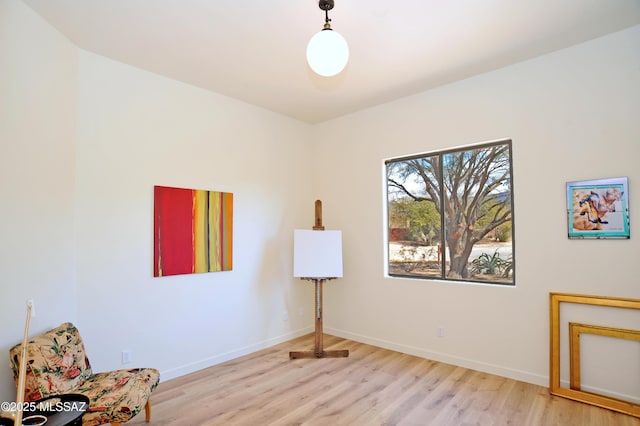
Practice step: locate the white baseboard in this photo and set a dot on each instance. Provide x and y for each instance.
(604, 392)
(191, 367)
(510, 373)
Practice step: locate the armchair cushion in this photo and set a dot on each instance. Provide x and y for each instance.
(57, 364)
(117, 396)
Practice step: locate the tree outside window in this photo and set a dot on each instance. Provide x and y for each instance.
(450, 215)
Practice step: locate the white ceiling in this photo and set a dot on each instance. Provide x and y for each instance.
(254, 50)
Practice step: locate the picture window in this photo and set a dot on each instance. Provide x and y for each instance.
(450, 215)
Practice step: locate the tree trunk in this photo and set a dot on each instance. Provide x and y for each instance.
(460, 246)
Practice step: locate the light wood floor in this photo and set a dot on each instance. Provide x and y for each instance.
(372, 387)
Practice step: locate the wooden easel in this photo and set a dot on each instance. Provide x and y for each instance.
(318, 351)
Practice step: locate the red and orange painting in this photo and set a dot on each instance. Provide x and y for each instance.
(192, 231)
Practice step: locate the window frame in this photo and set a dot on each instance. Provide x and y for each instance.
(442, 276)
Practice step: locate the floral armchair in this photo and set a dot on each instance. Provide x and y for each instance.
(57, 364)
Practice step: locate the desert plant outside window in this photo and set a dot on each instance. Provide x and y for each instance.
(450, 215)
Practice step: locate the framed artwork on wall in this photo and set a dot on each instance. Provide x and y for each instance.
(598, 208)
(193, 231)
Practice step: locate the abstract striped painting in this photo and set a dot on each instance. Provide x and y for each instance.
(192, 231)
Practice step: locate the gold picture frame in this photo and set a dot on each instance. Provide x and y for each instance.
(576, 329)
(555, 300)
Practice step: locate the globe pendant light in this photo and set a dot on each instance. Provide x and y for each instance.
(327, 51)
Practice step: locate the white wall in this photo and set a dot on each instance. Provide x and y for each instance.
(38, 78)
(137, 130)
(572, 115)
(84, 139)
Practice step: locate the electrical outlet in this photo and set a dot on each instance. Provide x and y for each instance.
(440, 331)
(285, 316)
(126, 357)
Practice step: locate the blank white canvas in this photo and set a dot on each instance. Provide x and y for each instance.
(317, 254)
